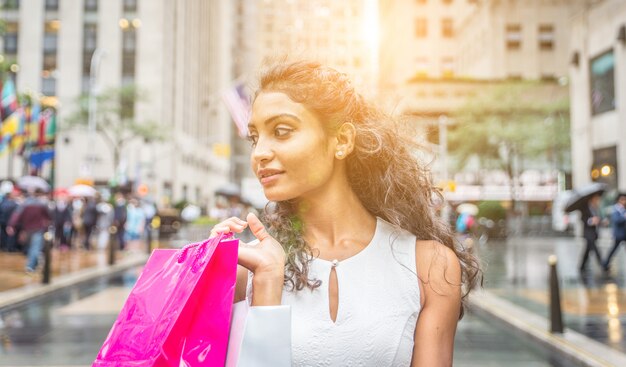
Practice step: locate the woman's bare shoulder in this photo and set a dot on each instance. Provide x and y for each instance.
(438, 267)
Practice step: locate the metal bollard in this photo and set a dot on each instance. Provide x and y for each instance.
(556, 314)
(149, 238)
(47, 248)
(112, 244)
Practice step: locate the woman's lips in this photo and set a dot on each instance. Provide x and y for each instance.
(271, 178)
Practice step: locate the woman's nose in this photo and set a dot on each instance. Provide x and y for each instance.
(262, 151)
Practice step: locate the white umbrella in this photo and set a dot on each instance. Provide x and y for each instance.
(82, 190)
(190, 213)
(6, 187)
(32, 183)
(468, 208)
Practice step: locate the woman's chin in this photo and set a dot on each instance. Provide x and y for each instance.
(275, 195)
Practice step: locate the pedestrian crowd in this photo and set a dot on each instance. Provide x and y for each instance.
(77, 223)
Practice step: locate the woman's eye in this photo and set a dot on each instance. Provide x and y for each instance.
(282, 131)
(252, 139)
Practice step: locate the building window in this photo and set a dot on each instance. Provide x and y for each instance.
(52, 5)
(513, 36)
(421, 28)
(10, 4)
(446, 28)
(546, 37)
(50, 43)
(48, 86)
(602, 83)
(447, 67)
(10, 38)
(130, 5)
(90, 39)
(91, 5)
(421, 67)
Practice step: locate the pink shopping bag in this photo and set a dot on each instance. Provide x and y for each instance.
(178, 313)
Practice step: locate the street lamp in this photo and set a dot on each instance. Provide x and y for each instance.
(96, 58)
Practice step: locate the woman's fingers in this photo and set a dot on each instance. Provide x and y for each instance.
(233, 224)
(257, 228)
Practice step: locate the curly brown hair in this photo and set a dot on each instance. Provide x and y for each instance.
(383, 170)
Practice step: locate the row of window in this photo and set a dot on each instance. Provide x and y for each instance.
(446, 2)
(421, 28)
(53, 5)
(545, 37)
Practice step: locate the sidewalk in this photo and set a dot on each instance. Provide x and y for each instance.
(71, 267)
(516, 270)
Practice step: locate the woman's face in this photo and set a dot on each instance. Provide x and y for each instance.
(292, 155)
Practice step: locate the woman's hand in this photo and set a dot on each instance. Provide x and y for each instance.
(266, 260)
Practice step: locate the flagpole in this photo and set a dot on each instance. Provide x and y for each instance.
(96, 57)
(10, 158)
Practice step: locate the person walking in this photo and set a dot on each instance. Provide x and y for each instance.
(618, 224)
(590, 216)
(34, 218)
(119, 219)
(7, 207)
(350, 251)
(90, 218)
(62, 215)
(135, 224)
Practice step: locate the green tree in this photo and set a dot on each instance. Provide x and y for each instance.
(510, 122)
(115, 120)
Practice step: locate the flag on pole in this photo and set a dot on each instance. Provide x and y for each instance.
(9, 99)
(238, 104)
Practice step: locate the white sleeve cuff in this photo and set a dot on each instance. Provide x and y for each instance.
(266, 339)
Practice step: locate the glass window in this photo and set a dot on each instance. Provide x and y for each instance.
(129, 38)
(513, 36)
(446, 28)
(546, 37)
(91, 5)
(87, 62)
(50, 43)
(48, 86)
(130, 5)
(10, 43)
(447, 67)
(52, 5)
(421, 28)
(10, 4)
(90, 37)
(49, 62)
(602, 83)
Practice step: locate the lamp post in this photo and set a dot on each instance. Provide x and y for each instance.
(96, 58)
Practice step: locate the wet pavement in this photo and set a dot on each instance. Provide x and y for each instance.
(594, 304)
(68, 327)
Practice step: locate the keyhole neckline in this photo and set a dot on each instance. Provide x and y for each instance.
(336, 263)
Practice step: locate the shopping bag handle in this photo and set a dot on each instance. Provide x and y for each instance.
(202, 246)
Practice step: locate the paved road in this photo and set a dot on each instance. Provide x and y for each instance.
(594, 305)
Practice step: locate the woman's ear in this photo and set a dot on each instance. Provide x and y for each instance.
(346, 135)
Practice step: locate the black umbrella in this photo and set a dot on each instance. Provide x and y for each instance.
(581, 196)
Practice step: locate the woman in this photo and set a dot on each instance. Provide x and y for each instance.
(352, 244)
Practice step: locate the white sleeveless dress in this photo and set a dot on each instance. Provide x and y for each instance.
(379, 303)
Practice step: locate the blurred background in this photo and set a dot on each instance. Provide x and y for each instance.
(114, 104)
